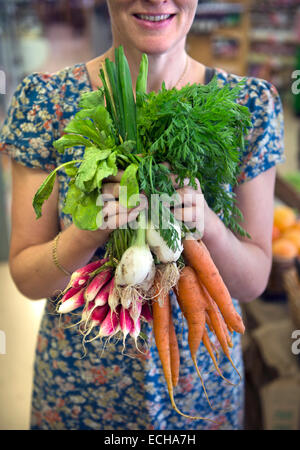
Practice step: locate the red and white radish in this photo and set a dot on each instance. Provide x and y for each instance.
(96, 284)
(73, 302)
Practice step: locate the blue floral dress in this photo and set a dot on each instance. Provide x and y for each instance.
(107, 389)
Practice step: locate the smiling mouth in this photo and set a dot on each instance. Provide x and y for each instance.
(154, 18)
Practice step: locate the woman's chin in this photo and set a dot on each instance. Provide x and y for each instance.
(155, 46)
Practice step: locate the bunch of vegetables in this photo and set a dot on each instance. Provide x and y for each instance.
(199, 131)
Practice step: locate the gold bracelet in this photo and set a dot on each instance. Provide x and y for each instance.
(54, 256)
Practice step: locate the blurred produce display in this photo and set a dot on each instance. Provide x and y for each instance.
(273, 41)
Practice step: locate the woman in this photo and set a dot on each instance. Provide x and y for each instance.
(118, 392)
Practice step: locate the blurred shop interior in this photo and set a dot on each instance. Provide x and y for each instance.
(246, 37)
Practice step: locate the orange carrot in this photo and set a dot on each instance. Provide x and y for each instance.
(208, 321)
(229, 329)
(216, 322)
(208, 345)
(209, 324)
(161, 325)
(199, 258)
(227, 335)
(193, 304)
(174, 351)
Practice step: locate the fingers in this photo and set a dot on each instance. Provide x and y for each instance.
(115, 215)
(114, 179)
(186, 214)
(111, 190)
(119, 220)
(112, 208)
(188, 197)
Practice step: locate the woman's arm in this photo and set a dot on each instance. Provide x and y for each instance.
(245, 263)
(31, 264)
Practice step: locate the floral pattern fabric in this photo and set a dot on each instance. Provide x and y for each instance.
(103, 386)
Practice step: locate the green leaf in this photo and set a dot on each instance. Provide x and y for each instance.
(85, 216)
(84, 127)
(129, 186)
(105, 169)
(125, 88)
(90, 100)
(83, 208)
(73, 198)
(103, 121)
(89, 168)
(71, 171)
(43, 193)
(69, 140)
(46, 188)
(141, 82)
(199, 131)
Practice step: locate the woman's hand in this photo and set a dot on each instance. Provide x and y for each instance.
(190, 207)
(189, 204)
(114, 214)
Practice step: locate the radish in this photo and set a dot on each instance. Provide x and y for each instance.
(126, 323)
(81, 281)
(146, 312)
(102, 296)
(110, 324)
(70, 293)
(99, 314)
(87, 311)
(96, 284)
(113, 297)
(72, 303)
(135, 331)
(93, 316)
(135, 310)
(85, 271)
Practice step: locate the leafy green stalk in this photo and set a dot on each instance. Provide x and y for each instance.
(199, 130)
(44, 191)
(141, 82)
(139, 238)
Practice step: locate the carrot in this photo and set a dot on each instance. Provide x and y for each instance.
(161, 326)
(226, 332)
(229, 329)
(219, 328)
(174, 351)
(216, 321)
(208, 321)
(208, 345)
(198, 257)
(209, 324)
(193, 304)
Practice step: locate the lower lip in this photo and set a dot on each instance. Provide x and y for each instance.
(154, 25)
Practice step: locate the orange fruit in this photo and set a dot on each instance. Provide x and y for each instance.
(284, 217)
(293, 235)
(284, 248)
(275, 233)
(296, 226)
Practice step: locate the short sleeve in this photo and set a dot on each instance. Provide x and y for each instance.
(264, 145)
(29, 127)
